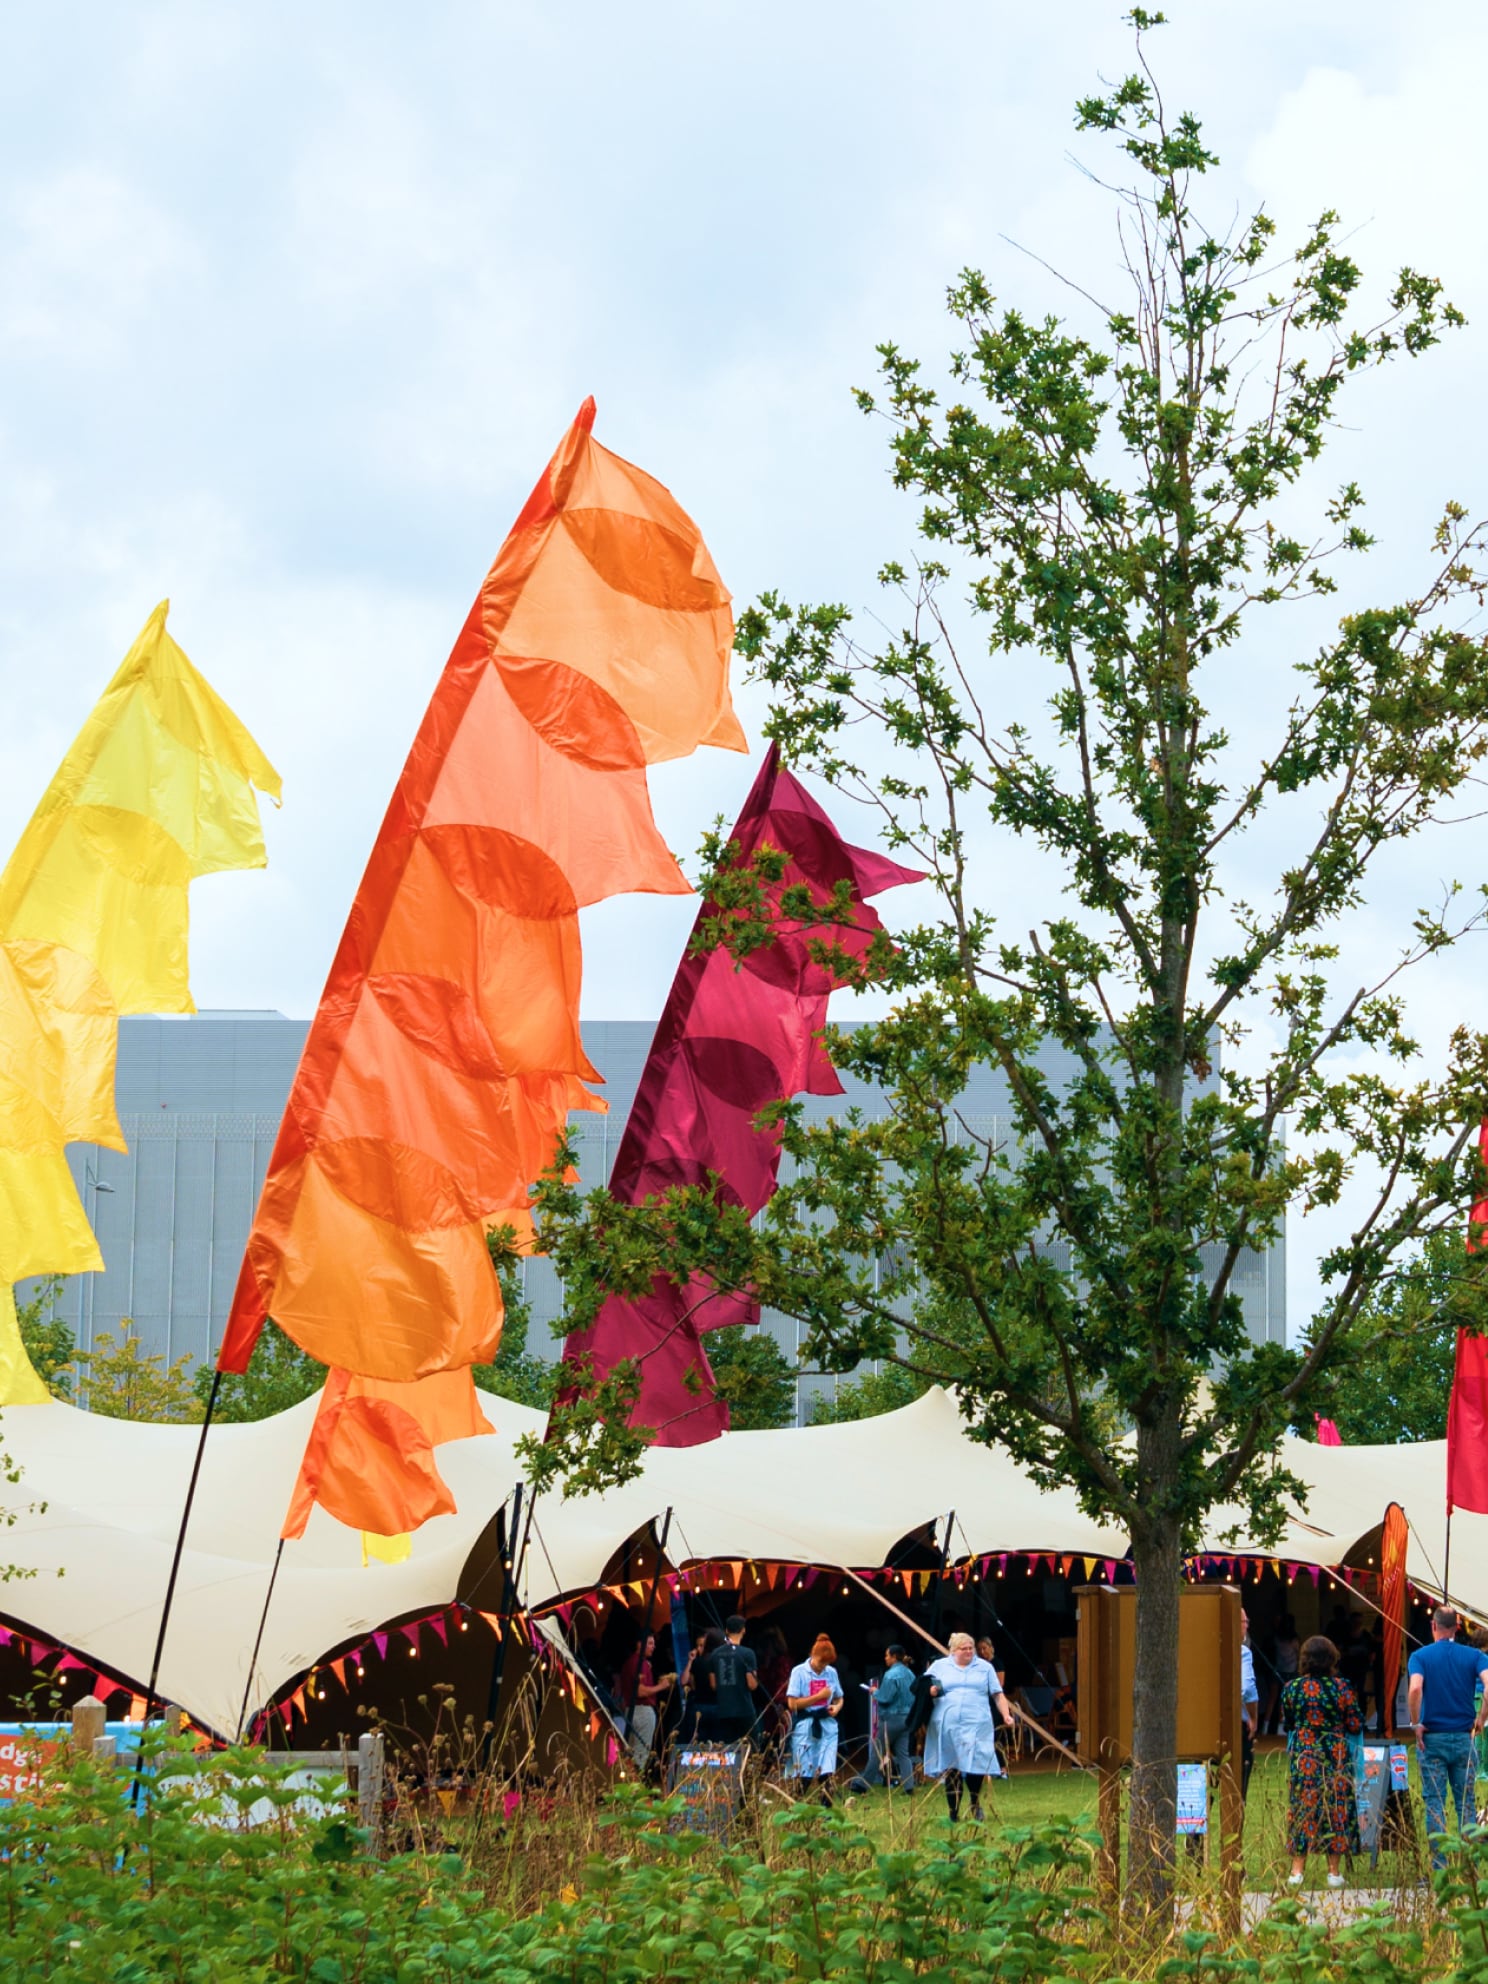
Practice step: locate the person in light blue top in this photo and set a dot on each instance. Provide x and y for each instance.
(961, 1741)
(813, 1695)
(1250, 1706)
(895, 1701)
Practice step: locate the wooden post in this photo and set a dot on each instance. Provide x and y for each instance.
(174, 1719)
(105, 1750)
(371, 1764)
(88, 1717)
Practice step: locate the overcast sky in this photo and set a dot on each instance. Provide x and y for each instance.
(294, 303)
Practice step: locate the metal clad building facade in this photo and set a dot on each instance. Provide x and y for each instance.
(200, 1100)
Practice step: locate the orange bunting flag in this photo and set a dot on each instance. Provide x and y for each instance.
(445, 1056)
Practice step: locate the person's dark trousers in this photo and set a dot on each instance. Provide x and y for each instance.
(1446, 1763)
(1247, 1758)
(893, 1740)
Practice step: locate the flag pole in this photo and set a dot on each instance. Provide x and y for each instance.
(1447, 1561)
(263, 1620)
(170, 1583)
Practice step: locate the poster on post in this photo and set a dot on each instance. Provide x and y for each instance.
(710, 1777)
(1372, 1778)
(1193, 1800)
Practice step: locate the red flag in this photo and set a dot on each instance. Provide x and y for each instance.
(1328, 1433)
(734, 1037)
(1467, 1415)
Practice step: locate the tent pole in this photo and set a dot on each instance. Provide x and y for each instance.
(263, 1620)
(945, 1558)
(511, 1543)
(915, 1627)
(635, 1686)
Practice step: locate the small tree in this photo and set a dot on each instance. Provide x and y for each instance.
(1123, 503)
(48, 1342)
(119, 1379)
(279, 1375)
(868, 1396)
(754, 1378)
(1395, 1379)
(515, 1373)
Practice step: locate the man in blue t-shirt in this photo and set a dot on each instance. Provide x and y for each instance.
(1445, 1716)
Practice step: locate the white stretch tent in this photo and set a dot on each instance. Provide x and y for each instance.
(113, 1493)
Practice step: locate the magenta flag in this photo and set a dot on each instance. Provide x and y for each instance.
(1328, 1433)
(733, 1038)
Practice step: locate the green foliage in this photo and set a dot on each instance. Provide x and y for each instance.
(93, 1891)
(222, 1875)
(754, 1378)
(866, 1397)
(1396, 1378)
(49, 1343)
(120, 1380)
(516, 1373)
(279, 1375)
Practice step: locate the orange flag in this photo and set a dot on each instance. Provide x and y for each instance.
(445, 1057)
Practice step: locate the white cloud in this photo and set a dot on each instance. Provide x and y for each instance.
(83, 258)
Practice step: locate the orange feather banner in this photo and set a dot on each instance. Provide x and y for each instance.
(445, 1056)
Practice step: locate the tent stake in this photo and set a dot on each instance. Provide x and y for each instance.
(263, 1620)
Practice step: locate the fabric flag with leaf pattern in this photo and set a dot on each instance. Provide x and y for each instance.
(160, 787)
(445, 1056)
(734, 1038)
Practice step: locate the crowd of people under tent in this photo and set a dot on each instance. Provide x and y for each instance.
(947, 1718)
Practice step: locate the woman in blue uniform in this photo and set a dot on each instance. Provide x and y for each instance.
(813, 1695)
(961, 1741)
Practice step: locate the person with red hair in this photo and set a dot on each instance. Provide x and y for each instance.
(814, 1697)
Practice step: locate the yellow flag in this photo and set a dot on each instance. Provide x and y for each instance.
(385, 1549)
(158, 788)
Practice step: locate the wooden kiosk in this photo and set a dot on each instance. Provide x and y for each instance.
(1208, 1709)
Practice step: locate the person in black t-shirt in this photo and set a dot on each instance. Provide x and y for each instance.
(730, 1678)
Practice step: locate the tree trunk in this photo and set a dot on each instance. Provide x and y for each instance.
(1157, 1554)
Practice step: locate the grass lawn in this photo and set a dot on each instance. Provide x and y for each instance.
(1030, 1796)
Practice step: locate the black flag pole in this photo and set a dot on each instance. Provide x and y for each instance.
(151, 1692)
(263, 1620)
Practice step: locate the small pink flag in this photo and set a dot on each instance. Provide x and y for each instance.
(1328, 1433)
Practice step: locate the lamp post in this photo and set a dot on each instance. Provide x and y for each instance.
(93, 1183)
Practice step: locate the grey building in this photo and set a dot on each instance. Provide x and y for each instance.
(200, 1100)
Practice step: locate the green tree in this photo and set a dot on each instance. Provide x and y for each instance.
(866, 1397)
(119, 1379)
(754, 1378)
(1112, 507)
(49, 1343)
(515, 1373)
(279, 1375)
(1396, 1378)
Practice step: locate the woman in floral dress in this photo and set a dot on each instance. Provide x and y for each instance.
(1320, 1713)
